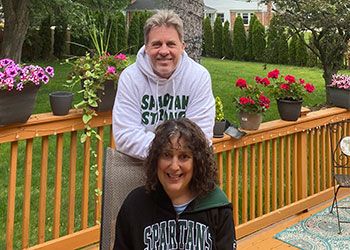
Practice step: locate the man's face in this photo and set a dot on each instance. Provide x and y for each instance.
(164, 48)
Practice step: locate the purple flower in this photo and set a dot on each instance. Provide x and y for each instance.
(6, 61)
(50, 71)
(45, 79)
(20, 86)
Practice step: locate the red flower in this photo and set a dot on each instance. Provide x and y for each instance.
(301, 81)
(289, 78)
(273, 74)
(243, 100)
(258, 79)
(241, 83)
(309, 87)
(284, 86)
(264, 101)
(265, 81)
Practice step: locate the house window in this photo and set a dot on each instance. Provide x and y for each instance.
(221, 15)
(245, 16)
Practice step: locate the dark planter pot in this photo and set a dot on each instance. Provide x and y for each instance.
(61, 102)
(17, 106)
(219, 129)
(250, 121)
(289, 110)
(107, 96)
(339, 97)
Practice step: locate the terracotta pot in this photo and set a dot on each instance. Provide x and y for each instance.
(250, 121)
(289, 110)
(17, 106)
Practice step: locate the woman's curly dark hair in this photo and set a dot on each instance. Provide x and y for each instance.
(204, 177)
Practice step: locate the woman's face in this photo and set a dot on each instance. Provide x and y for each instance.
(175, 170)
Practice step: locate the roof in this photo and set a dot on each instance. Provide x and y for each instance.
(209, 9)
(146, 5)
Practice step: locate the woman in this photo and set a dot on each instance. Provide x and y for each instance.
(180, 207)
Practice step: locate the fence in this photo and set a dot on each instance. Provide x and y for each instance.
(52, 182)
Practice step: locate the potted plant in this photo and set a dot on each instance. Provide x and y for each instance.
(339, 91)
(98, 76)
(220, 122)
(252, 103)
(289, 93)
(19, 85)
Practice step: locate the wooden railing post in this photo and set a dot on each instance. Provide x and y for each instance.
(302, 165)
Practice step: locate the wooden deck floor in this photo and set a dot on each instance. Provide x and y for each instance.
(263, 239)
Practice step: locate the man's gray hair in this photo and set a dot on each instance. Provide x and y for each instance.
(164, 18)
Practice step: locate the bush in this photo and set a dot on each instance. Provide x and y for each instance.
(227, 49)
(292, 51)
(207, 38)
(273, 42)
(301, 51)
(134, 31)
(249, 47)
(258, 41)
(239, 39)
(282, 46)
(218, 37)
(45, 36)
(59, 45)
(143, 18)
(121, 33)
(32, 45)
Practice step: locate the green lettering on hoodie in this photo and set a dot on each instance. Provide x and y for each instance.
(144, 102)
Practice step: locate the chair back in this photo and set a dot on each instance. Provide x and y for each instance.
(121, 175)
(340, 144)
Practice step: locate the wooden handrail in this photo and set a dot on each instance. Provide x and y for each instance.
(269, 174)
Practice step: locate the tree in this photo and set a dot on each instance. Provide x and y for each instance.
(218, 37)
(292, 51)
(121, 33)
(133, 35)
(227, 50)
(273, 41)
(249, 48)
(258, 41)
(301, 51)
(17, 18)
(239, 39)
(282, 48)
(143, 18)
(327, 21)
(207, 38)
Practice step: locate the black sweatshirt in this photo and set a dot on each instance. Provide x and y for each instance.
(149, 221)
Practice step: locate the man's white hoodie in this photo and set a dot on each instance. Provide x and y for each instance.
(144, 100)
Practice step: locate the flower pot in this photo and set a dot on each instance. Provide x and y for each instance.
(250, 121)
(107, 96)
(61, 102)
(219, 129)
(17, 106)
(289, 110)
(339, 97)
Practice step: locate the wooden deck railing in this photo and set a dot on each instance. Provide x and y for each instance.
(50, 179)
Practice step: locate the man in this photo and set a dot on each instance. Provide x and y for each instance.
(163, 84)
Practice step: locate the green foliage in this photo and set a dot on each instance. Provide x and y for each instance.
(282, 48)
(227, 49)
(31, 49)
(45, 36)
(143, 18)
(218, 37)
(239, 39)
(249, 47)
(219, 109)
(272, 54)
(301, 51)
(60, 39)
(112, 26)
(258, 41)
(292, 51)
(134, 32)
(207, 38)
(121, 33)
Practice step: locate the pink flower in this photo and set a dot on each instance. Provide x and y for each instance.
(289, 78)
(273, 74)
(241, 83)
(309, 87)
(120, 56)
(111, 70)
(50, 71)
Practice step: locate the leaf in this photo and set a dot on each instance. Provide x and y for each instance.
(83, 138)
(86, 118)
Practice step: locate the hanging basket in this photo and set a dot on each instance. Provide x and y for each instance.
(17, 106)
(289, 110)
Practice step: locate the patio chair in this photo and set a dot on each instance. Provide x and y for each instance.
(340, 152)
(121, 175)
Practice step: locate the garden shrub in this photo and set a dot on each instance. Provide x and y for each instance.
(218, 37)
(249, 47)
(227, 49)
(239, 39)
(59, 45)
(207, 38)
(134, 31)
(273, 42)
(144, 15)
(282, 48)
(31, 50)
(301, 51)
(45, 36)
(258, 41)
(292, 51)
(121, 33)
